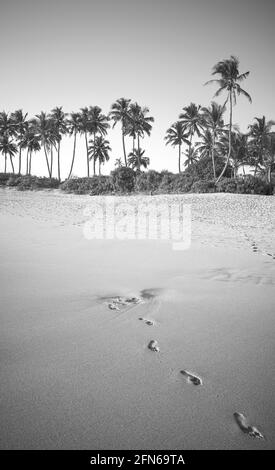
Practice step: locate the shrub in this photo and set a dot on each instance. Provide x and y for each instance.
(203, 169)
(226, 185)
(13, 180)
(253, 185)
(182, 183)
(167, 182)
(24, 183)
(123, 179)
(203, 186)
(148, 181)
(94, 186)
(4, 177)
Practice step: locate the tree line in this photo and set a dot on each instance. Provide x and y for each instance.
(202, 130)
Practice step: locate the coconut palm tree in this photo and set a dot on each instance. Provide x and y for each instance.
(192, 121)
(7, 147)
(33, 145)
(205, 145)
(239, 149)
(269, 155)
(213, 120)
(136, 159)
(44, 129)
(139, 124)
(7, 126)
(258, 132)
(119, 113)
(19, 119)
(74, 127)
(118, 163)
(85, 129)
(176, 136)
(99, 150)
(98, 125)
(191, 157)
(60, 124)
(229, 81)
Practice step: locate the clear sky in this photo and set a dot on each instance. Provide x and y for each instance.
(159, 53)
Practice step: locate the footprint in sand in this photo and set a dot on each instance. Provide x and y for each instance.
(246, 428)
(153, 346)
(191, 378)
(146, 321)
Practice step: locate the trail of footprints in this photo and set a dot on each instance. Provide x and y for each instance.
(122, 303)
(256, 249)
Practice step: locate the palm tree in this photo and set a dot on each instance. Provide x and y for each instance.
(192, 121)
(119, 113)
(33, 146)
(139, 124)
(7, 147)
(99, 150)
(239, 149)
(19, 120)
(191, 157)
(229, 79)
(118, 163)
(213, 119)
(206, 144)
(60, 127)
(258, 133)
(7, 126)
(74, 127)
(85, 129)
(45, 133)
(136, 159)
(269, 155)
(175, 136)
(98, 124)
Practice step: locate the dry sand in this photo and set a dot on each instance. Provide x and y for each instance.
(77, 374)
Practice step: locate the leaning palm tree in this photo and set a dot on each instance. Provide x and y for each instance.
(98, 124)
(60, 124)
(136, 159)
(7, 147)
(176, 136)
(119, 113)
(229, 79)
(74, 127)
(99, 150)
(192, 121)
(258, 133)
(19, 120)
(213, 119)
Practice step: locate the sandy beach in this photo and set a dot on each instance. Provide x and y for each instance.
(77, 374)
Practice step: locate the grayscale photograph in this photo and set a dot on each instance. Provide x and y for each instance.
(137, 241)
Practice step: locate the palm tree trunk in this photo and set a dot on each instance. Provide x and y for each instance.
(46, 155)
(213, 155)
(179, 157)
(94, 155)
(20, 151)
(73, 156)
(30, 163)
(229, 138)
(51, 160)
(27, 163)
(123, 143)
(138, 153)
(269, 174)
(11, 163)
(190, 146)
(58, 160)
(88, 165)
(133, 144)
(99, 167)
(5, 163)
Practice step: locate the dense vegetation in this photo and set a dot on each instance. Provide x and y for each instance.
(214, 151)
